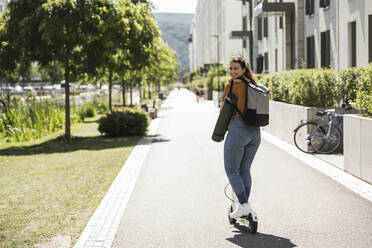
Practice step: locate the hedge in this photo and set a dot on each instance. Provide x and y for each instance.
(322, 87)
(312, 87)
(364, 92)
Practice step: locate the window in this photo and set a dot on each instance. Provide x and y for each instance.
(324, 3)
(310, 52)
(309, 10)
(244, 23)
(265, 20)
(259, 28)
(266, 59)
(370, 37)
(276, 59)
(260, 64)
(325, 49)
(281, 18)
(244, 43)
(352, 44)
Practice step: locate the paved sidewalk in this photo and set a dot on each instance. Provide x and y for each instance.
(175, 197)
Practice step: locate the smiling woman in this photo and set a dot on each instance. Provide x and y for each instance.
(175, 6)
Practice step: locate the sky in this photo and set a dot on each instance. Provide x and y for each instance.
(175, 6)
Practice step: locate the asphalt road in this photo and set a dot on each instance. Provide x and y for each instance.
(178, 200)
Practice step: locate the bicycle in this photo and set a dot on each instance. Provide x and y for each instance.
(324, 136)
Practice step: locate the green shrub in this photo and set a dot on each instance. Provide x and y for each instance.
(364, 94)
(325, 85)
(312, 88)
(347, 84)
(128, 122)
(86, 111)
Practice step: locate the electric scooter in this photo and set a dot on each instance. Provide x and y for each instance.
(250, 221)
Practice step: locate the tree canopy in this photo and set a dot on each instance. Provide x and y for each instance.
(84, 37)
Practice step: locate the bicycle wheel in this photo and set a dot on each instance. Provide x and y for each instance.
(302, 138)
(328, 142)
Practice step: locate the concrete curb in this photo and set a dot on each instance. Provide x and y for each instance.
(102, 226)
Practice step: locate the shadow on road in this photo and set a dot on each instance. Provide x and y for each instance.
(244, 239)
(156, 138)
(61, 145)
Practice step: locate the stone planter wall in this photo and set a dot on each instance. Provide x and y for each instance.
(358, 146)
(285, 117)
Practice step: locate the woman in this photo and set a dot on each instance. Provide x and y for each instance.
(242, 140)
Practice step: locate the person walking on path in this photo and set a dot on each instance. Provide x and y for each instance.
(242, 140)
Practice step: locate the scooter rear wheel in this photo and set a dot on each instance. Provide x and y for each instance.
(232, 221)
(253, 225)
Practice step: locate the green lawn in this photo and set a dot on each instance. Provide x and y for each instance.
(51, 187)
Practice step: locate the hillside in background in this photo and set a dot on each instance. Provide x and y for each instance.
(175, 30)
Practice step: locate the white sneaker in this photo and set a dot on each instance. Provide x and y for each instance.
(240, 210)
(253, 213)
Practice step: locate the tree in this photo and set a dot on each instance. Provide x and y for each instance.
(73, 33)
(164, 66)
(124, 32)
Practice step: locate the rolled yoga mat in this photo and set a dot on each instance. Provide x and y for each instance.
(224, 118)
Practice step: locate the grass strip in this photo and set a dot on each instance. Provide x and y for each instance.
(52, 187)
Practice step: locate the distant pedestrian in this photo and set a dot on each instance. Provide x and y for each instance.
(197, 93)
(242, 140)
(201, 92)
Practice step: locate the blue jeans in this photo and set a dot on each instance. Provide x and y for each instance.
(241, 144)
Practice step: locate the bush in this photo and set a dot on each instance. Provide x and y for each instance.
(364, 94)
(347, 84)
(128, 122)
(87, 111)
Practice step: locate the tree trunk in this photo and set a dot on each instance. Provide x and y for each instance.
(110, 90)
(123, 91)
(144, 91)
(131, 95)
(149, 91)
(140, 92)
(67, 103)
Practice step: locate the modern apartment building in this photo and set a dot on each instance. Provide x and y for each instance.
(288, 34)
(355, 33)
(278, 35)
(338, 33)
(209, 41)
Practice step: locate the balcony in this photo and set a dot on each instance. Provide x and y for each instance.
(266, 9)
(234, 35)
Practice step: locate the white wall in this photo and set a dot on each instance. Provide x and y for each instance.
(276, 38)
(232, 21)
(358, 11)
(322, 20)
(215, 17)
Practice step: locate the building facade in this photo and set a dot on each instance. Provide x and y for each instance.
(209, 41)
(277, 35)
(355, 33)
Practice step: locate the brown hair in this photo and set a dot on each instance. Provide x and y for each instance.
(244, 65)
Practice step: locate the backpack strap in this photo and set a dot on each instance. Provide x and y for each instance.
(231, 85)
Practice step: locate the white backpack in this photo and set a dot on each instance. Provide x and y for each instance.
(257, 104)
